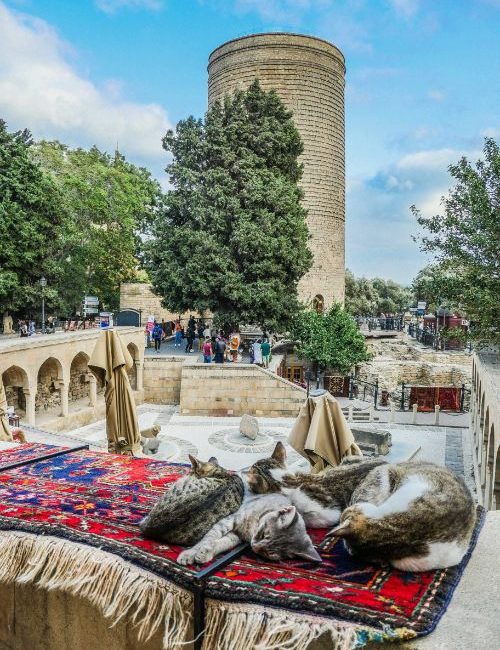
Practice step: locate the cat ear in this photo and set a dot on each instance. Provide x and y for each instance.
(286, 516)
(279, 453)
(194, 461)
(309, 553)
(342, 530)
(213, 460)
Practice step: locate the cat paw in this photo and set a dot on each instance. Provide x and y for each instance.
(187, 556)
(204, 555)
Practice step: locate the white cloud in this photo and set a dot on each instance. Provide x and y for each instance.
(405, 8)
(431, 159)
(437, 95)
(41, 89)
(111, 6)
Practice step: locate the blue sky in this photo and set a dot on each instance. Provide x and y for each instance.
(423, 89)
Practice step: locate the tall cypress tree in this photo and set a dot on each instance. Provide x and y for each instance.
(233, 236)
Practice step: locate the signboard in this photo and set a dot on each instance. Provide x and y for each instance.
(106, 319)
(421, 305)
(91, 300)
(90, 310)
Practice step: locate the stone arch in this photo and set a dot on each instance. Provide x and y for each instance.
(132, 372)
(16, 384)
(490, 468)
(79, 380)
(319, 303)
(483, 436)
(495, 503)
(50, 384)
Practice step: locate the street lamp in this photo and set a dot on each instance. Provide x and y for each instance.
(43, 284)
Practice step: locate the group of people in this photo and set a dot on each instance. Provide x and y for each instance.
(215, 345)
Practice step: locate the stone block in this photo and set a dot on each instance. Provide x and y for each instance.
(249, 427)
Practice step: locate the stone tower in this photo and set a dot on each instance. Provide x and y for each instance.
(308, 74)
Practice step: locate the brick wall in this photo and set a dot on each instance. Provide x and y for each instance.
(308, 74)
(162, 379)
(227, 389)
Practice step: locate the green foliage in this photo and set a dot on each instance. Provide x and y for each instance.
(31, 222)
(435, 285)
(364, 297)
(233, 237)
(330, 339)
(466, 241)
(107, 202)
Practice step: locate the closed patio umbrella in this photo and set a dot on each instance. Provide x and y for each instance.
(321, 433)
(5, 433)
(122, 429)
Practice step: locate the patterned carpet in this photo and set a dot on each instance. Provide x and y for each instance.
(98, 499)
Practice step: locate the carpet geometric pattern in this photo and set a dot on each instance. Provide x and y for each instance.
(99, 499)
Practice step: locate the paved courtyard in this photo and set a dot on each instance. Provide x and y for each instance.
(220, 437)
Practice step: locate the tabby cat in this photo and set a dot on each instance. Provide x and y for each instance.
(271, 525)
(187, 511)
(415, 516)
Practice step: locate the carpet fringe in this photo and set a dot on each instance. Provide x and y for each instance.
(118, 589)
(231, 626)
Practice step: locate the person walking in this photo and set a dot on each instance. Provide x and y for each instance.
(220, 349)
(207, 351)
(266, 352)
(157, 335)
(201, 338)
(191, 334)
(257, 352)
(178, 333)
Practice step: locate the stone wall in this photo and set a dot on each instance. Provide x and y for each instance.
(227, 389)
(162, 379)
(399, 360)
(138, 295)
(308, 74)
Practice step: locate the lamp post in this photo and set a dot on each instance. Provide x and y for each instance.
(43, 284)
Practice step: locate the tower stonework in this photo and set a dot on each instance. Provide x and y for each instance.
(308, 73)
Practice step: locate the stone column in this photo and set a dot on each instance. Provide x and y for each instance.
(92, 390)
(29, 396)
(139, 373)
(64, 389)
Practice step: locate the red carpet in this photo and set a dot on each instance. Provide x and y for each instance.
(98, 499)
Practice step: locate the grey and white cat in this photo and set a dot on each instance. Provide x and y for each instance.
(415, 516)
(271, 525)
(194, 504)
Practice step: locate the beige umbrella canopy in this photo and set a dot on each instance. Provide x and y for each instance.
(5, 433)
(111, 356)
(321, 433)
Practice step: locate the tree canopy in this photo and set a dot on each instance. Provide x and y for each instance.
(466, 241)
(233, 236)
(330, 339)
(365, 297)
(31, 222)
(108, 202)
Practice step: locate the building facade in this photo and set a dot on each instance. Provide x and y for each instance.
(308, 73)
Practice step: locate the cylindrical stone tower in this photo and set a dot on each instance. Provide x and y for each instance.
(308, 74)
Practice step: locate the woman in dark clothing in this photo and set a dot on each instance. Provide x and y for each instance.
(157, 335)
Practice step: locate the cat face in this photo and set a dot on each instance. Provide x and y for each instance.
(260, 476)
(210, 469)
(282, 534)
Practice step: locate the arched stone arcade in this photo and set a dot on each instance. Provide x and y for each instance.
(48, 378)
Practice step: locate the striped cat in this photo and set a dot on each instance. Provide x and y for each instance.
(187, 511)
(415, 516)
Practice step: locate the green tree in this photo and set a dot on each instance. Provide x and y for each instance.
(233, 237)
(435, 285)
(31, 222)
(365, 297)
(466, 241)
(330, 339)
(109, 202)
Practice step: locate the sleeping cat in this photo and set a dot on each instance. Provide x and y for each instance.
(415, 516)
(194, 504)
(271, 525)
